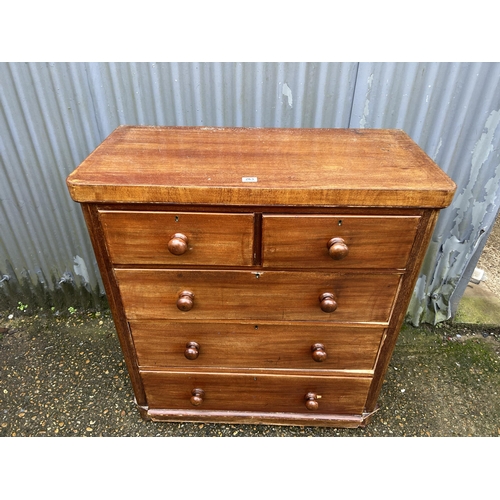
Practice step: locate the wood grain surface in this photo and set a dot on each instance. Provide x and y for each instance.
(255, 391)
(300, 241)
(255, 345)
(271, 295)
(242, 166)
(212, 239)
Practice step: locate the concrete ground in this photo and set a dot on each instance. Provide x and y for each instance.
(65, 376)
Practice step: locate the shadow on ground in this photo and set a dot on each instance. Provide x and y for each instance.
(65, 376)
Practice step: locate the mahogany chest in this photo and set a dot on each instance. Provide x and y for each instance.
(259, 275)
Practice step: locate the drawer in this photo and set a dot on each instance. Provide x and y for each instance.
(254, 392)
(161, 344)
(302, 241)
(176, 238)
(271, 295)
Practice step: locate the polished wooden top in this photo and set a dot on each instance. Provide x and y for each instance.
(259, 166)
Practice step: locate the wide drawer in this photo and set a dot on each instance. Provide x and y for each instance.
(255, 345)
(254, 392)
(271, 295)
(178, 238)
(306, 241)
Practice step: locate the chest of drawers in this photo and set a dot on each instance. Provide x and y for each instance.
(259, 275)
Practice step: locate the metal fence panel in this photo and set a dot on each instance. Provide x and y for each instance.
(452, 110)
(47, 125)
(52, 115)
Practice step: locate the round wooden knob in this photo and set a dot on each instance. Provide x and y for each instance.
(192, 350)
(318, 352)
(328, 302)
(185, 301)
(311, 401)
(337, 248)
(197, 396)
(178, 244)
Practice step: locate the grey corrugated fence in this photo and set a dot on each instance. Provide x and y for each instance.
(52, 115)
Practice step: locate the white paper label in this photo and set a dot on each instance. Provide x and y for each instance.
(249, 179)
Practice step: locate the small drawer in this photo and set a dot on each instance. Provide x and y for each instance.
(269, 295)
(255, 392)
(177, 238)
(311, 241)
(161, 344)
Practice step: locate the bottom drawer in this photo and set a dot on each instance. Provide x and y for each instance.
(255, 392)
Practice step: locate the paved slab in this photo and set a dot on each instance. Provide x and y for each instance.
(478, 306)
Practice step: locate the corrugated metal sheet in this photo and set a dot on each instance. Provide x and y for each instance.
(452, 110)
(53, 115)
(222, 94)
(46, 127)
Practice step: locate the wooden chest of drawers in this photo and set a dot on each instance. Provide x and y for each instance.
(259, 275)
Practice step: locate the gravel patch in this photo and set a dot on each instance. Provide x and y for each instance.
(65, 376)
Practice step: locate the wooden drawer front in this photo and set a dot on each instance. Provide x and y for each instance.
(212, 239)
(255, 392)
(289, 346)
(302, 241)
(272, 295)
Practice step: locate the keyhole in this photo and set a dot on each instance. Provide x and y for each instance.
(176, 218)
(340, 222)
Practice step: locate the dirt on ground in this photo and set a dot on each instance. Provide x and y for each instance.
(65, 376)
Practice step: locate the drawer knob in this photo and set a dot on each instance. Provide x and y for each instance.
(185, 301)
(312, 401)
(178, 244)
(192, 350)
(328, 302)
(197, 396)
(318, 352)
(337, 248)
